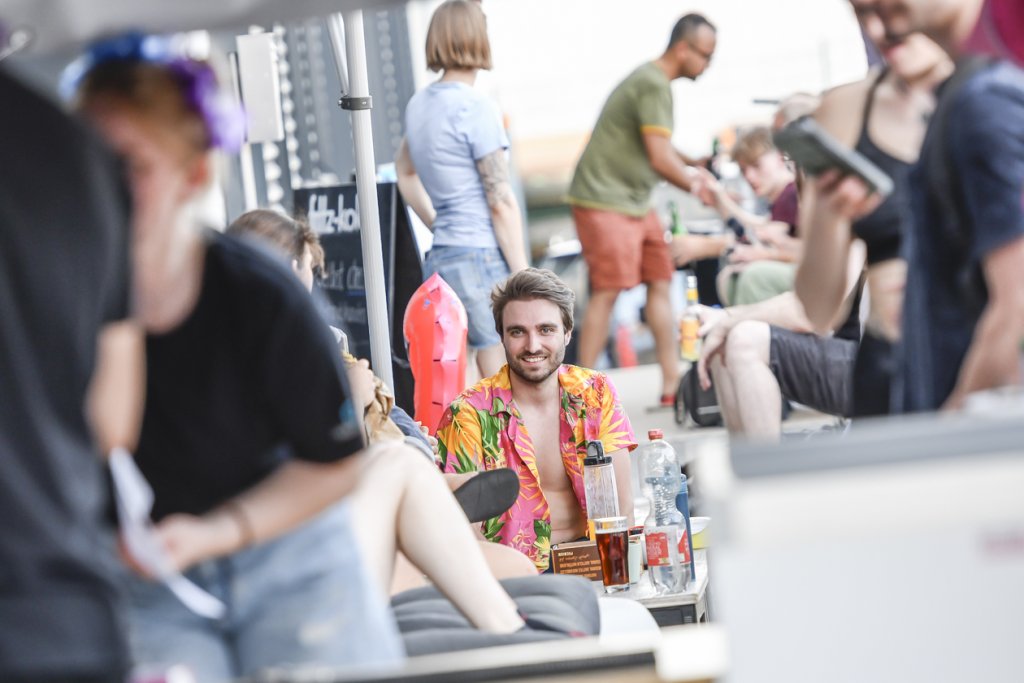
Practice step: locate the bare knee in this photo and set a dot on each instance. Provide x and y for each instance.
(603, 297)
(748, 343)
(396, 459)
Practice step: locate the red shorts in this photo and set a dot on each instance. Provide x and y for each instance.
(622, 251)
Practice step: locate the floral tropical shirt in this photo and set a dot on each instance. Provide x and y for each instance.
(482, 428)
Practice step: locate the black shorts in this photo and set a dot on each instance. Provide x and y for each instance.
(814, 371)
(872, 383)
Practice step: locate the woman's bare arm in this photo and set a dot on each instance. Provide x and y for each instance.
(505, 214)
(828, 204)
(116, 394)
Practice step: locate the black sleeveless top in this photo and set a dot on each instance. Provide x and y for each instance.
(882, 229)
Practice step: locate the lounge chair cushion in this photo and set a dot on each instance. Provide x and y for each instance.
(430, 624)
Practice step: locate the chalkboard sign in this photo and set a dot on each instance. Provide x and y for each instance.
(333, 213)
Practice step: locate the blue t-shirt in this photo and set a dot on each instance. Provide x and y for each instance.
(449, 126)
(986, 143)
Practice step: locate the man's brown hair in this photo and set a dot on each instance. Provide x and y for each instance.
(752, 144)
(457, 37)
(528, 285)
(289, 236)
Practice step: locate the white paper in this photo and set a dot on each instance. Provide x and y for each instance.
(134, 502)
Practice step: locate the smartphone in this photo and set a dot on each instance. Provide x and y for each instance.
(815, 151)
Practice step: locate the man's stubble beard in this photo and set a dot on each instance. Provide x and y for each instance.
(515, 365)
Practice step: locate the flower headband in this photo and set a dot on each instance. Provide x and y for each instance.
(224, 119)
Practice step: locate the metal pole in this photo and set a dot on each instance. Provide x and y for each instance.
(357, 100)
(336, 29)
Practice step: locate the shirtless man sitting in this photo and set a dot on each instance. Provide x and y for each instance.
(535, 417)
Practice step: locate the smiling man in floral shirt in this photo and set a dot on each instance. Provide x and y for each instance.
(535, 417)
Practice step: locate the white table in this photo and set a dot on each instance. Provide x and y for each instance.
(687, 607)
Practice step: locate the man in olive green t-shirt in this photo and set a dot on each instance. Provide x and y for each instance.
(629, 152)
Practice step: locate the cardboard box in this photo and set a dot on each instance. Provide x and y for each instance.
(578, 558)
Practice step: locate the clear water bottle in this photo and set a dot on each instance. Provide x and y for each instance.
(665, 530)
(599, 485)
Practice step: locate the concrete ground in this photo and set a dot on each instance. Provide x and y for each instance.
(638, 389)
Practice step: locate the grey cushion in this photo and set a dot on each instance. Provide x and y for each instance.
(429, 623)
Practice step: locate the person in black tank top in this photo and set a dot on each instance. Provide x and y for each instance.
(882, 229)
(884, 118)
(882, 233)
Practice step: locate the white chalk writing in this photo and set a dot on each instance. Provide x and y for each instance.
(325, 221)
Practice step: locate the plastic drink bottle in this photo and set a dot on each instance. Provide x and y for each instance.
(689, 342)
(683, 505)
(599, 485)
(665, 533)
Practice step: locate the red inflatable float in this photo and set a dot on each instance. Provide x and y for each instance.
(435, 329)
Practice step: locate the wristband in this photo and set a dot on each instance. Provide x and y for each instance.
(736, 227)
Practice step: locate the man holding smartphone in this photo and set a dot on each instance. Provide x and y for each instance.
(629, 152)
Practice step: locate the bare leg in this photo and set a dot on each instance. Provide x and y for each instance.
(505, 563)
(594, 330)
(406, 576)
(726, 393)
(490, 359)
(402, 503)
(757, 394)
(662, 324)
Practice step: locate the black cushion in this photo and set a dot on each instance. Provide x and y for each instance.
(429, 623)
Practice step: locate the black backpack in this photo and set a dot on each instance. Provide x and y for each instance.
(700, 405)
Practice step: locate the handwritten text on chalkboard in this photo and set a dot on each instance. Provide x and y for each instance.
(325, 220)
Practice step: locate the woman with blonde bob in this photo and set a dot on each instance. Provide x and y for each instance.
(453, 171)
